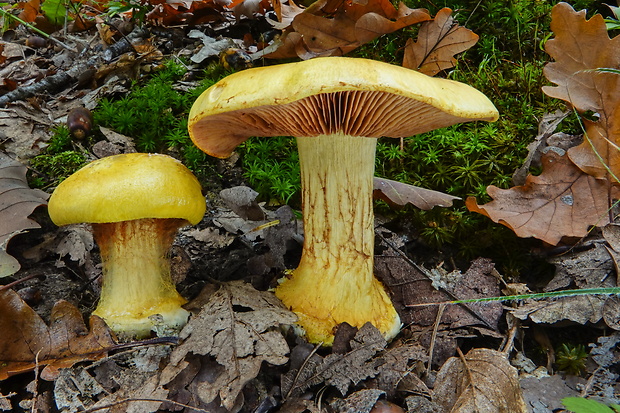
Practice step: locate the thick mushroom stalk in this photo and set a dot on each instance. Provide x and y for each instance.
(135, 203)
(136, 275)
(336, 107)
(334, 281)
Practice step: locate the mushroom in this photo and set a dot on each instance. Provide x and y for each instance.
(135, 203)
(336, 107)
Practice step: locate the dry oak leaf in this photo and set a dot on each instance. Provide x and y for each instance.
(338, 370)
(17, 201)
(482, 381)
(581, 47)
(336, 28)
(560, 202)
(438, 41)
(400, 194)
(26, 340)
(237, 330)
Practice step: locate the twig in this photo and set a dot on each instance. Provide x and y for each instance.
(35, 391)
(431, 347)
(301, 369)
(21, 280)
(41, 32)
(119, 402)
(63, 79)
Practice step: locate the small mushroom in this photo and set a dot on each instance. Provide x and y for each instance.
(135, 203)
(336, 107)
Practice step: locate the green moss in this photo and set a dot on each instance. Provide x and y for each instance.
(154, 114)
(49, 169)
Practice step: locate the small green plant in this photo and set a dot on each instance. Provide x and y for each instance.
(59, 160)
(581, 405)
(272, 168)
(154, 114)
(51, 169)
(571, 358)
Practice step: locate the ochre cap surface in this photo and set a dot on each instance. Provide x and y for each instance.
(127, 187)
(326, 95)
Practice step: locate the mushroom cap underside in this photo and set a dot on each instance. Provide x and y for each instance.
(127, 187)
(321, 96)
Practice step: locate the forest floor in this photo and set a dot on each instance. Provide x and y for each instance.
(236, 354)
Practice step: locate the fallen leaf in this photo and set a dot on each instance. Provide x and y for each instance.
(17, 201)
(439, 40)
(235, 332)
(483, 381)
(27, 341)
(590, 268)
(581, 47)
(336, 28)
(367, 359)
(211, 47)
(362, 401)
(242, 201)
(560, 202)
(400, 194)
(339, 370)
(546, 391)
(581, 309)
(546, 128)
(127, 384)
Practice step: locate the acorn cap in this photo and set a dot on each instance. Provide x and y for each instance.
(127, 187)
(325, 95)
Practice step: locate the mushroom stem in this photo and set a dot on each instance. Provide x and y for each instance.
(136, 275)
(334, 282)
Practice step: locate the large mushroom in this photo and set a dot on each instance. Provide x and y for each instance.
(135, 203)
(336, 107)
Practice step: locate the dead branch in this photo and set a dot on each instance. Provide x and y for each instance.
(65, 79)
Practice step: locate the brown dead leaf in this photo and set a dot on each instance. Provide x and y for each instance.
(581, 47)
(439, 40)
(235, 332)
(400, 194)
(581, 309)
(483, 381)
(338, 370)
(30, 10)
(26, 339)
(336, 28)
(362, 401)
(561, 201)
(366, 359)
(17, 201)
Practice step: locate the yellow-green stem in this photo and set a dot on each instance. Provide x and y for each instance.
(334, 282)
(136, 275)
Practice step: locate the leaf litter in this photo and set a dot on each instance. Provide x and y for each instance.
(384, 368)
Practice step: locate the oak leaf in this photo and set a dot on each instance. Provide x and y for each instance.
(17, 201)
(366, 359)
(234, 333)
(437, 43)
(334, 28)
(580, 49)
(27, 341)
(482, 381)
(560, 202)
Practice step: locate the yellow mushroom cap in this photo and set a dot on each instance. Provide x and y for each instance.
(128, 187)
(320, 96)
